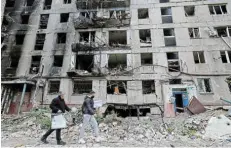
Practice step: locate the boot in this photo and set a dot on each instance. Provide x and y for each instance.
(60, 142)
(44, 140)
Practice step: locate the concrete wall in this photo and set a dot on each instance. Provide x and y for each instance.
(158, 72)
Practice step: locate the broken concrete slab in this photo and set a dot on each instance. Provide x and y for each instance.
(195, 107)
(218, 127)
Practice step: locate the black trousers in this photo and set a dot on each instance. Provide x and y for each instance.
(58, 134)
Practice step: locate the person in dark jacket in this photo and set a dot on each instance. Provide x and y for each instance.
(88, 117)
(57, 105)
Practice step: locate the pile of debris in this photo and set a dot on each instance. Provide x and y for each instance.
(114, 129)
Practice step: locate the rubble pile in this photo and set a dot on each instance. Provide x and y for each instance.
(113, 129)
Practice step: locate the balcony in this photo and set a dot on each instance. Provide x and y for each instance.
(93, 4)
(101, 22)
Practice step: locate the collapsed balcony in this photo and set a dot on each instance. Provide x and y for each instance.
(93, 4)
(90, 19)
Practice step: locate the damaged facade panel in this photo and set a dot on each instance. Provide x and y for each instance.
(82, 87)
(116, 87)
(148, 86)
(118, 38)
(173, 62)
(35, 64)
(145, 38)
(93, 4)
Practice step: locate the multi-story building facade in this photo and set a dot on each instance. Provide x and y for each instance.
(130, 52)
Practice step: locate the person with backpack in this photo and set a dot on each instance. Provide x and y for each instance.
(88, 118)
(57, 105)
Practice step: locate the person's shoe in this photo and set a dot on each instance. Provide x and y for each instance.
(60, 142)
(44, 140)
(81, 141)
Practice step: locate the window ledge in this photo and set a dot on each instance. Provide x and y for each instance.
(206, 93)
(75, 94)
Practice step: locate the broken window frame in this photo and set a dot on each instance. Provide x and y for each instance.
(56, 59)
(26, 3)
(202, 85)
(14, 61)
(194, 33)
(16, 40)
(23, 20)
(173, 63)
(148, 87)
(89, 67)
(213, 11)
(146, 13)
(117, 14)
(145, 42)
(186, 14)
(227, 31)
(47, 7)
(55, 84)
(118, 43)
(63, 19)
(225, 56)
(12, 4)
(66, 1)
(199, 57)
(164, 16)
(146, 63)
(117, 87)
(164, 1)
(89, 14)
(82, 87)
(40, 40)
(43, 23)
(168, 37)
(60, 37)
(91, 37)
(119, 66)
(228, 80)
(35, 65)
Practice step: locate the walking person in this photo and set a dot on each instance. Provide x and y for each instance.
(57, 105)
(88, 118)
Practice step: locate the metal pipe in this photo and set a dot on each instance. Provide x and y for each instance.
(22, 97)
(226, 100)
(4, 100)
(7, 101)
(10, 101)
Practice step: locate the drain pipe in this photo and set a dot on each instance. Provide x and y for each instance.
(226, 42)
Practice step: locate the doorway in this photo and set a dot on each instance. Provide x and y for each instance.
(179, 103)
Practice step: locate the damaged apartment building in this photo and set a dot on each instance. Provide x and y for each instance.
(139, 56)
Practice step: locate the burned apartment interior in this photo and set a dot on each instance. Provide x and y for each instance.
(104, 47)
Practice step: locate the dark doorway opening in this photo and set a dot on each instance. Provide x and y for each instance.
(179, 103)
